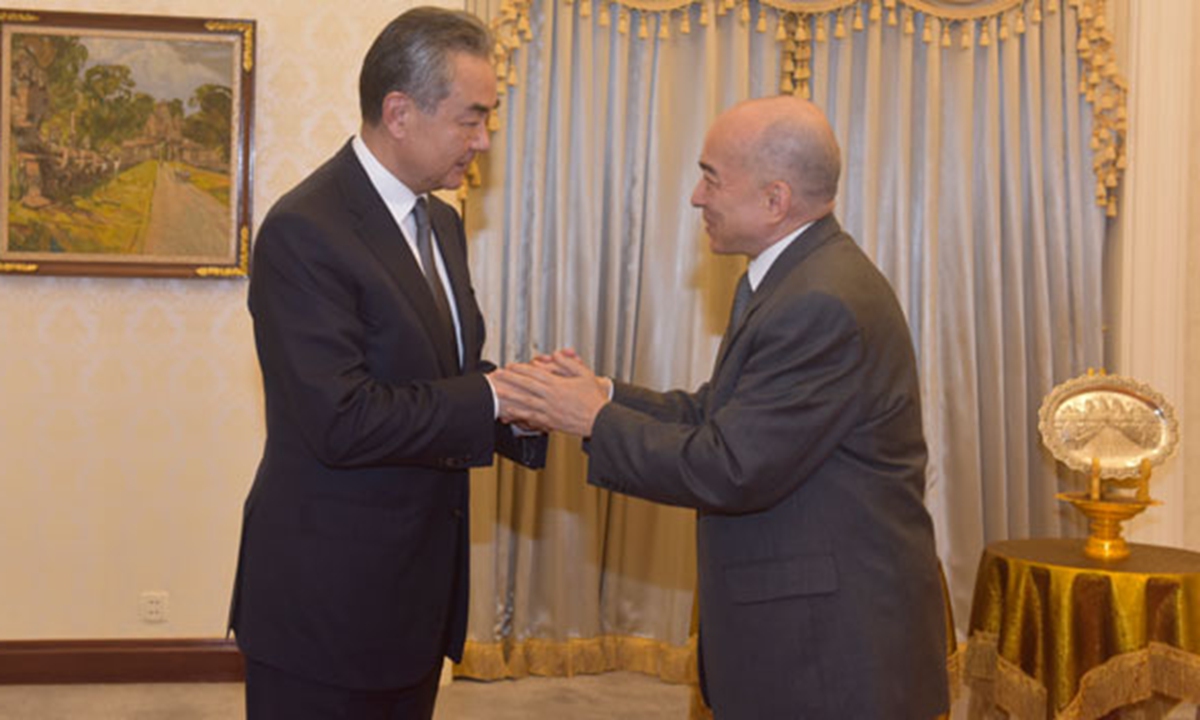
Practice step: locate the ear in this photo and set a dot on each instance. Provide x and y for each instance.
(397, 112)
(779, 199)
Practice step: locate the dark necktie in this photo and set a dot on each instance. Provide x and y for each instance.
(741, 300)
(425, 249)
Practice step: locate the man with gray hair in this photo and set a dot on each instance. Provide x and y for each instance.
(820, 594)
(352, 573)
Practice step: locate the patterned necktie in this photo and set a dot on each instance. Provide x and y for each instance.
(425, 249)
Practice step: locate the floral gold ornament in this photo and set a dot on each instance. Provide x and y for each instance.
(1115, 429)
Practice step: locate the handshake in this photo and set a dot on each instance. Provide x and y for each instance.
(551, 392)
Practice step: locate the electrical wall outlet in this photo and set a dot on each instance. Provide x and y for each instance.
(153, 606)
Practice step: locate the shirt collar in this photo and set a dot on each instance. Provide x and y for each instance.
(399, 198)
(761, 264)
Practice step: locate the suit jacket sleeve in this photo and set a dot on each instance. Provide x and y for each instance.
(315, 336)
(794, 397)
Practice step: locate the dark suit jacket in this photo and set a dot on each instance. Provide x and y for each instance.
(353, 563)
(819, 590)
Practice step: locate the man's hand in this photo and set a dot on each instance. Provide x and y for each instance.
(554, 392)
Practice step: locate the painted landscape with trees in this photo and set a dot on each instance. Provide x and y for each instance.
(119, 146)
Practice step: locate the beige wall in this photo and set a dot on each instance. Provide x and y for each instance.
(1192, 362)
(130, 409)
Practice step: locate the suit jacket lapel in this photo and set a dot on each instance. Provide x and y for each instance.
(377, 230)
(821, 232)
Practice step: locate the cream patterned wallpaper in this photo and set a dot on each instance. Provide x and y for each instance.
(130, 409)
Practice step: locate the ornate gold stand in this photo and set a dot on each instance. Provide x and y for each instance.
(1104, 523)
(1106, 511)
(1114, 429)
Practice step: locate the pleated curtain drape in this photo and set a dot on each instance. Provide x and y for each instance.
(968, 178)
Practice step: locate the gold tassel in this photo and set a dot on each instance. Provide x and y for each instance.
(821, 32)
(780, 31)
(664, 26)
(703, 14)
(512, 75)
(721, 8)
(946, 35)
(892, 19)
(802, 28)
(1099, 22)
(643, 29)
(605, 15)
(927, 32)
(1003, 29)
(1083, 86)
(785, 85)
(804, 91)
(1036, 17)
(523, 27)
(729, 4)
(985, 36)
(910, 24)
(1051, 6)
(1085, 11)
(585, 8)
(889, 4)
(968, 33)
(623, 21)
(839, 28)
(789, 63)
(762, 21)
(744, 13)
(1020, 23)
(876, 12)
(1112, 207)
(685, 25)
(858, 19)
(501, 69)
(493, 122)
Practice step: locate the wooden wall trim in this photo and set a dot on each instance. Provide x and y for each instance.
(42, 662)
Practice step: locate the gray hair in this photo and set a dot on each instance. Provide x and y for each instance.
(413, 55)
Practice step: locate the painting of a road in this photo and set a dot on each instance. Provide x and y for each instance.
(121, 146)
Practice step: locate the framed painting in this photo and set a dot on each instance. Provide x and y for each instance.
(126, 144)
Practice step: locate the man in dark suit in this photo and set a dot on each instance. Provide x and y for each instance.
(820, 593)
(352, 575)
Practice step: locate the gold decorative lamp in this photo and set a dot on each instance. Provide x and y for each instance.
(1115, 429)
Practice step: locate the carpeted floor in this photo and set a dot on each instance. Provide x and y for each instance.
(628, 696)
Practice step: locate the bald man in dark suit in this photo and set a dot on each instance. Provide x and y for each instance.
(820, 595)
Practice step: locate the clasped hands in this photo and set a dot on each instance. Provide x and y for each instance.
(551, 392)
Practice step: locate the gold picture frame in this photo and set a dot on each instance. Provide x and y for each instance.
(127, 145)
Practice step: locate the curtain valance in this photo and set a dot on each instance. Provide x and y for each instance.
(797, 24)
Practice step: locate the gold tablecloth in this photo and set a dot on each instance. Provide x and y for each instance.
(1056, 634)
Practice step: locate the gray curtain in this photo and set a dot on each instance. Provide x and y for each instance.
(967, 177)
